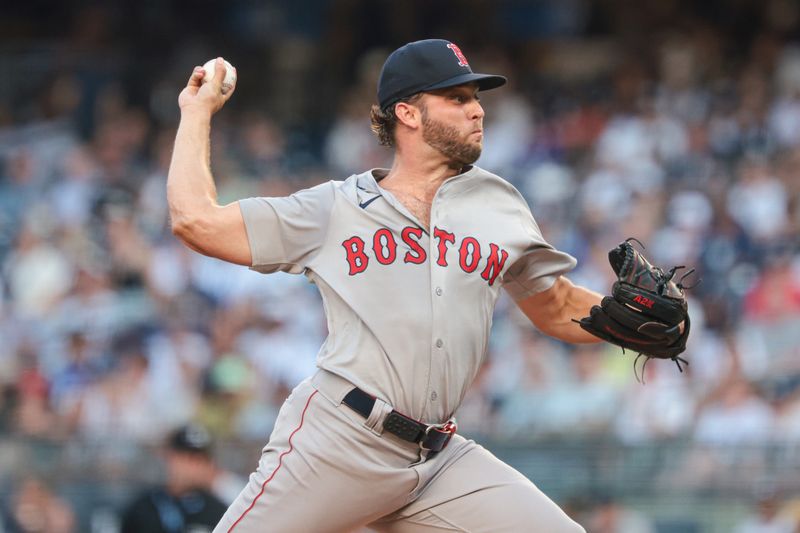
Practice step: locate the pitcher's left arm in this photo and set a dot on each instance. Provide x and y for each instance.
(555, 310)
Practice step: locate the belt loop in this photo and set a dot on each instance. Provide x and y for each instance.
(380, 411)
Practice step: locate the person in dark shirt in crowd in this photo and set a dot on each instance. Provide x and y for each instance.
(185, 501)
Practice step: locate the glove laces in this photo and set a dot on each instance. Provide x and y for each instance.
(678, 360)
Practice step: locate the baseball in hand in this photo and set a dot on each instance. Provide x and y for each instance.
(230, 75)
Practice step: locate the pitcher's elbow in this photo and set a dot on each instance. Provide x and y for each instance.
(184, 229)
(179, 226)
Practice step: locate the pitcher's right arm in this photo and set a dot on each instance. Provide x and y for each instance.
(197, 219)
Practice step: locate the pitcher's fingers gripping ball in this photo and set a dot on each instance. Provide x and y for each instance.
(228, 81)
(646, 312)
(205, 95)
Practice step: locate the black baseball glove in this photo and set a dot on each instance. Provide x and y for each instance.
(646, 312)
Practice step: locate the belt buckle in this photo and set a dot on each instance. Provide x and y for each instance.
(448, 428)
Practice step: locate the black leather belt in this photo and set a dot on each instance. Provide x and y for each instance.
(429, 437)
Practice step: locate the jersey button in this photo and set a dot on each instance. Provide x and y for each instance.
(439, 291)
(434, 396)
(439, 343)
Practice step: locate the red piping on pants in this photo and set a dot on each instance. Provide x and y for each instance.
(280, 462)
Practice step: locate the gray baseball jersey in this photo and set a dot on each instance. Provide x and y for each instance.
(409, 313)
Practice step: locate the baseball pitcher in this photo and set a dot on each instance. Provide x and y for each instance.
(410, 262)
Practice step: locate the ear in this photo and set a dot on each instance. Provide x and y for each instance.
(408, 114)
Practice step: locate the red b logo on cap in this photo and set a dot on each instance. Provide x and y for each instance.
(462, 59)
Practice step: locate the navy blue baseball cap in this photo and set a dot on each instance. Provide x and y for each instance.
(425, 66)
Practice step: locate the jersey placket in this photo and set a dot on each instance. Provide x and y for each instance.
(432, 400)
(429, 402)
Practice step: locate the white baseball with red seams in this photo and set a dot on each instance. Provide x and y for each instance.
(230, 74)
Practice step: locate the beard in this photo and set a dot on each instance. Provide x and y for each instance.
(447, 140)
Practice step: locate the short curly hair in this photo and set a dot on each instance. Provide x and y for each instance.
(384, 121)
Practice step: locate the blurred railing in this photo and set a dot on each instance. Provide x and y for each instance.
(682, 486)
(665, 466)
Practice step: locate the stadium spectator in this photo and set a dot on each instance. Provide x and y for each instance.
(185, 501)
(35, 508)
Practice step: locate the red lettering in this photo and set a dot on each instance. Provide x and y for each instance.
(418, 256)
(494, 264)
(384, 253)
(444, 237)
(384, 246)
(464, 253)
(644, 301)
(356, 258)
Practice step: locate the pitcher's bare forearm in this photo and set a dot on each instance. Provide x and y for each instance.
(553, 311)
(196, 217)
(190, 186)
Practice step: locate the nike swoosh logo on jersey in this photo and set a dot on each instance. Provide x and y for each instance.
(363, 205)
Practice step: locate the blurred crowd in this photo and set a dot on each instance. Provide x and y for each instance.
(112, 330)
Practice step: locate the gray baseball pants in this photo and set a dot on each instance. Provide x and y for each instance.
(328, 469)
